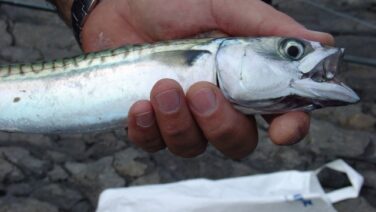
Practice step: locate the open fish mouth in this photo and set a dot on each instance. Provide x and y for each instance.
(327, 69)
(323, 87)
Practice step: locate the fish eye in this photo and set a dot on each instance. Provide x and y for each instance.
(293, 49)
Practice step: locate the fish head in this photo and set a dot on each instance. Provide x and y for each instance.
(277, 74)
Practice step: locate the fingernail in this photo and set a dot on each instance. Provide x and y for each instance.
(145, 120)
(317, 32)
(168, 101)
(325, 37)
(204, 101)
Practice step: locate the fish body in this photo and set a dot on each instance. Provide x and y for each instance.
(95, 91)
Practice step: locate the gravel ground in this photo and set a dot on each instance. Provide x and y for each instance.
(67, 173)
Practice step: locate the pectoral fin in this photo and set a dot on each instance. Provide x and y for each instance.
(179, 57)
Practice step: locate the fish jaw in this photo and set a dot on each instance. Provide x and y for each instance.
(321, 84)
(327, 93)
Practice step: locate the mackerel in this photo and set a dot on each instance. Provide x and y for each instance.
(94, 92)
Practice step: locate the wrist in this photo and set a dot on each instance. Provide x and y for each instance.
(75, 13)
(80, 12)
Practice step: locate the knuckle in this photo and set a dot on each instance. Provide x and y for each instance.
(239, 153)
(176, 129)
(152, 142)
(146, 141)
(222, 131)
(154, 146)
(240, 147)
(132, 136)
(192, 154)
(189, 152)
(231, 140)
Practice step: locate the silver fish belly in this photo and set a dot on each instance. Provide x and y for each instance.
(95, 91)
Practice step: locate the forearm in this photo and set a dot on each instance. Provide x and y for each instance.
(64, 7)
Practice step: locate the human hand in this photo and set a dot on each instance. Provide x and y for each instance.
(185, 122)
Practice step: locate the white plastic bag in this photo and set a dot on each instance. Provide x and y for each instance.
(288, 191)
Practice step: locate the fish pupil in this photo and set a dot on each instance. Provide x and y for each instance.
(293, 51)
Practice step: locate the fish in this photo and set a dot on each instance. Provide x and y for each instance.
(94, 91)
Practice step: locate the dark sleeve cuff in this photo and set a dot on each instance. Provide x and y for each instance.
(64, 8)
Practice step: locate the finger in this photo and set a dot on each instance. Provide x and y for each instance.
(226, 128)
(211, 34)
(234, 17)
(177, 126)
(142, 127)
(289, 128)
